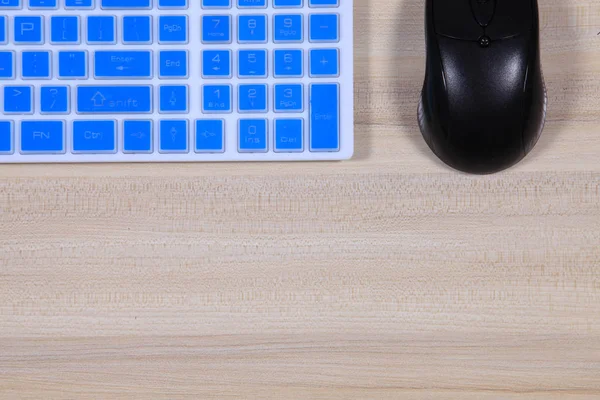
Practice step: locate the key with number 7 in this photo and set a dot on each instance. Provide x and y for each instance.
(216, 29)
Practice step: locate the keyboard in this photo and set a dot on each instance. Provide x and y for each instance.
(175, 80)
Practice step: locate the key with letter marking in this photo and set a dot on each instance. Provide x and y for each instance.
(42, 137)
(94, 137)
(289, 135)
(114, 99)
(252, 136)
(324, 117)
(123, 64)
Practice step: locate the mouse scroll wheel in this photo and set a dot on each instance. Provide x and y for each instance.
(483, 11)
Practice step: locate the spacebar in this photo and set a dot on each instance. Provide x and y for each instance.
(114, 99)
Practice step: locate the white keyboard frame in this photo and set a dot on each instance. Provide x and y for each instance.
(194, 82)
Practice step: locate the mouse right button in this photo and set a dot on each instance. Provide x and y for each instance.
(511, 18)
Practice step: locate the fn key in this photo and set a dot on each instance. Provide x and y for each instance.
(324, 117)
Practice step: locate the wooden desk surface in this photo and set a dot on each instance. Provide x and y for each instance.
(386, 277)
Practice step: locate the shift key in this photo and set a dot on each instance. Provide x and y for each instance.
(123, 64)
(114, 99)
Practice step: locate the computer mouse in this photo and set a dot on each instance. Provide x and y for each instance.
(483, 103)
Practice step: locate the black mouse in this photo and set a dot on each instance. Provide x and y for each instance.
(483, 103)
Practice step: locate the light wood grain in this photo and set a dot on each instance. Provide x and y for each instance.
(386, 277)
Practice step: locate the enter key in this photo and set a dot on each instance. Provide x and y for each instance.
(123, 64)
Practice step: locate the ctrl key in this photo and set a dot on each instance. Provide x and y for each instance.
(42, 137)
(94, 137)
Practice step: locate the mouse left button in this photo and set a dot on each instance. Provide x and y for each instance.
(455, 19)
(483, 11)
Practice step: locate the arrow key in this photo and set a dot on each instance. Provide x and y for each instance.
(210, 135)
(18, 100)
(173, 136)
(173, 99)
(137, 136)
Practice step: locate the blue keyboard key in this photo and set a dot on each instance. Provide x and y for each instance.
(216, 98)
(101, 29)
(252, 28)
(42, 137)
(123, 64)
(324, 63)
(173, 136)
(324, 28)
(18, 99)
(35, 64)
(72, 65)
(288, 63)
(216, 4)
(252, 63)
(216, 63)
(324, 117)
(287, 28)
(289, 135)
(210, 136)
(42, 3)
(172, 3)
(216, 29)
(287, 3)
(3, 29)
(252, 136)
(94, 137)
(137, 136)
(289, 98)
(252, 3)
(79, 3)
(323, 3)
(64, 30)
(29, 30)
(4, 4)
(114, 99)
(137, 29)
(173, 99)
(252, 98)
(55, 99)
(173, 29)
(6, 137)
(7, 64)
(173, 64)
(125, 4)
